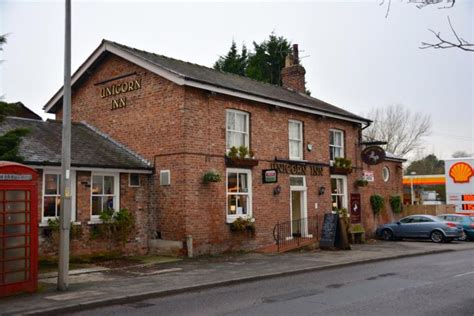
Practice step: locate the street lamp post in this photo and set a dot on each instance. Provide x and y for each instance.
(412, 192)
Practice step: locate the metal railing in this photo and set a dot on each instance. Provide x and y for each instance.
(293, 233)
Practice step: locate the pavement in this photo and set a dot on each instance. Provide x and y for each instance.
(96, 287)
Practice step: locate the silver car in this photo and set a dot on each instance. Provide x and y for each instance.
(421, 226)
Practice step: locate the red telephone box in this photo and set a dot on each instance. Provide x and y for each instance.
(18, 228)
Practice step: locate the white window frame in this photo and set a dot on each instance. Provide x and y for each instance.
(130, 182)
(331, 146)
(246, 133)
(116, 195)
(300, 141)
(385, 168)
(344, 194)
(162, 173)
(231, 217)
(57, 172)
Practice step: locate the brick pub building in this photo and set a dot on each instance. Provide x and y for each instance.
(172, 122)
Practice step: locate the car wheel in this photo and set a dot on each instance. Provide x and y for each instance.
(387, 234)
(463, 236)
(437, 236)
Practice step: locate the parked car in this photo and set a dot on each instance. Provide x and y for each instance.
(466, 221)
(421, 226)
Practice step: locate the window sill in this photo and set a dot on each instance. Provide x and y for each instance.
(230, 220)
(95, 222)
(45, 224)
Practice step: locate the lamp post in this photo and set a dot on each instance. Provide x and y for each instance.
(412, 192)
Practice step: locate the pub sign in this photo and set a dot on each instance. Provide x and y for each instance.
(373, 155)
(269, 176)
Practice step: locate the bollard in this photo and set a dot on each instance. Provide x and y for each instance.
(189, 245)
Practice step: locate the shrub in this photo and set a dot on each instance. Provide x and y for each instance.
(396, 204)
(361, 183)
(243, 152)
(243, 224)
(376, 201)
(116, 226)
(211, 176)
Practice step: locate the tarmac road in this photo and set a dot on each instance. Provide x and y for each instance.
(440, 284)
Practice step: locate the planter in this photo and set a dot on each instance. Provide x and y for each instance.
(338, 170)
(241, 163)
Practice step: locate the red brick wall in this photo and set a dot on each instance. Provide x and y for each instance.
(183, 130)
(135, 199)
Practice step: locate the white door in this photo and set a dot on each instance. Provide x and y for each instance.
(298, 210)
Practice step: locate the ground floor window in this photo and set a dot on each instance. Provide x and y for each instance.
(104, 193)
(239, 193)
(339, 192)
(52, 194)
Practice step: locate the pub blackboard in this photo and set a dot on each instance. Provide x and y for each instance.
(329, 231)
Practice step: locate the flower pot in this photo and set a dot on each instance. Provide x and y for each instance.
(241, 163)
(338, 170)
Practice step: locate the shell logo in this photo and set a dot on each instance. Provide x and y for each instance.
(461, 172)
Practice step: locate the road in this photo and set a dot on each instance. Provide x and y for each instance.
(441, 284)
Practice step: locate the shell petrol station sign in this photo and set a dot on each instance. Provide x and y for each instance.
(460, 184)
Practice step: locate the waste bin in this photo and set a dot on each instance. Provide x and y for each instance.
(18, 228)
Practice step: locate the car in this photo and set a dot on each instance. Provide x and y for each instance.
(467, 222)
(421, 226)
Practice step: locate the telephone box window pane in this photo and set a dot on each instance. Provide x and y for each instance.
(14, 230)
(15, 206)
(14, 253)
(108, 185)
(15, 195)
(16, 218)
(97, 185)
(96, 205)
(15, 277)
(16, 241)
(15, 265)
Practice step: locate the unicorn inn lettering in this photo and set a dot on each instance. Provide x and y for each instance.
(120, 88)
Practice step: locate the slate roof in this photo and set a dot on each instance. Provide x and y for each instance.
(390, 156)
(235, 82)
(42, 146)
(231, 82)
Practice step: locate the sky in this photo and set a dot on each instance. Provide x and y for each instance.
(354, 56)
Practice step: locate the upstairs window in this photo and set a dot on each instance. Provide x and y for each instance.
(336, 144)
(295, 137)
(237, 129)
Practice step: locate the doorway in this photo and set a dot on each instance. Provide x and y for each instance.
(298, 211)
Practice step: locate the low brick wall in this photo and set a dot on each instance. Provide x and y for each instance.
(427, 209)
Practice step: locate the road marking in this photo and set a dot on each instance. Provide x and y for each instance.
(463, 274)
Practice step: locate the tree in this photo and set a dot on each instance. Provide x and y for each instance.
(461, 154)
(10, 141)
(428, 165)
(442, 43)
(233, 62)
(263, 64)
(402, 129)
(268, 59)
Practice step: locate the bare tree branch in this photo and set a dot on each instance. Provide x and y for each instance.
(402, 129)
(443, 43)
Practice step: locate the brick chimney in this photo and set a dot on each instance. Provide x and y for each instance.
(292, 76)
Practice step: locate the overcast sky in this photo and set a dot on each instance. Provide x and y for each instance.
(355, 58)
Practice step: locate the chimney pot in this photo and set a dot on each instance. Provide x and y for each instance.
(292, 76)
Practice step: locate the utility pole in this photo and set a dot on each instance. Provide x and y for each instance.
(66, 202)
